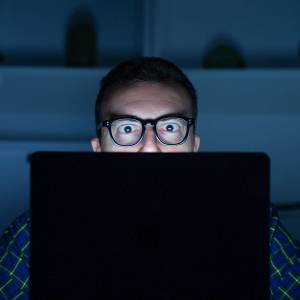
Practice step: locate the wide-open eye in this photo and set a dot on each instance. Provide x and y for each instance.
(126, 128)
(170, 127)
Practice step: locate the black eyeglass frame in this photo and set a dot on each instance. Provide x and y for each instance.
(144, 122)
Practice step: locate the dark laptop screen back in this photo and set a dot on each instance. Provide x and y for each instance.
(149, 226)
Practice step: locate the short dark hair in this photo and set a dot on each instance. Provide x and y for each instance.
(144, 69)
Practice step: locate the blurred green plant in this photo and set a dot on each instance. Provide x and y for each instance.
(81, 40)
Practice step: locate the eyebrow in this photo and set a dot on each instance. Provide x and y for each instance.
(112, 115)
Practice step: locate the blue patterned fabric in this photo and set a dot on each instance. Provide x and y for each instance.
(14, 261)
(284, 262)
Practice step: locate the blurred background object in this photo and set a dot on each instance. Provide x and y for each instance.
(33, 33)
(223, 56)
(46, 33)
(81, 40)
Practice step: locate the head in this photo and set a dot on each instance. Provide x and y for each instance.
(146, 105)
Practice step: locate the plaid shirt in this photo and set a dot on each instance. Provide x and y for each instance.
(14, 265)
(14, 260)
(284, 262)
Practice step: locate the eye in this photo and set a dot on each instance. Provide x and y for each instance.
(171, 127)
(126, 128)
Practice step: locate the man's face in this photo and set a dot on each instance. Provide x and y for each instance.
(146, 101)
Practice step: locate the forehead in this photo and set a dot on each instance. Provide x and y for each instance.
(147, 100)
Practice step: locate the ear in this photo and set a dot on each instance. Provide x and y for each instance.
(196, 143)
(95, 143)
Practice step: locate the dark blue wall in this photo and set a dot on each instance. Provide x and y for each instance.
(51, 107)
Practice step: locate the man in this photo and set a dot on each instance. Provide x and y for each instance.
(146, 105)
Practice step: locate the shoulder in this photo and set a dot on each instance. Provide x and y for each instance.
(284, 260)
(14, 259)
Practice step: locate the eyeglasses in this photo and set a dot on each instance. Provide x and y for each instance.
(128, 131)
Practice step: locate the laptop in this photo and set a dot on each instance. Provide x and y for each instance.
(149, 226)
